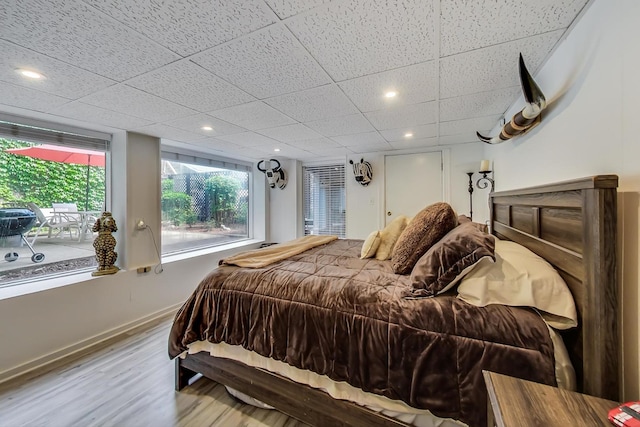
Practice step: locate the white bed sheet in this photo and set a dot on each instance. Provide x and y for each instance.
(565, 376)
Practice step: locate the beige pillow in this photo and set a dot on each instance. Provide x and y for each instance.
(388, 237)
(370, 245)
(519, 277)
(427, 227)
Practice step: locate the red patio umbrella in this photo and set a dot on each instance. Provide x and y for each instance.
(56, 153)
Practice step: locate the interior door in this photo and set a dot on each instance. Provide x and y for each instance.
(412, 181)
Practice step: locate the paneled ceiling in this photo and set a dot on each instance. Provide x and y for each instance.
(307, 77)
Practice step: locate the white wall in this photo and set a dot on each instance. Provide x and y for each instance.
(137, 196)
(62, 315)
(41, 326)
(589, 129)
(365, 205)
(285, 206)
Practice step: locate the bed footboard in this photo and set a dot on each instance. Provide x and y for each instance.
(304, 403)
(182, 374)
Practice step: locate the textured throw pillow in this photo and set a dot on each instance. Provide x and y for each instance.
(482, 227)
(388, 237)
(370, 245)
(426, 228)
(447, 261)
(520, 278)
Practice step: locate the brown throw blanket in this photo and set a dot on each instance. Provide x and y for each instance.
(328, 311)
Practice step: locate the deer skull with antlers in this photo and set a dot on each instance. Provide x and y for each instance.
(275, 176)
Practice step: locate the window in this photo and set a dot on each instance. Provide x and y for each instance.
(43, 166)
(205, 201)
(324, 200)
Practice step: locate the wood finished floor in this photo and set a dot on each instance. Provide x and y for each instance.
(125, 382)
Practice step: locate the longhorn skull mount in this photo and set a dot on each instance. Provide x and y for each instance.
(276, 176)
(528, 117)
(363, 172)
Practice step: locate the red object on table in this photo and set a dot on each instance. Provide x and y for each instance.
(626, 415)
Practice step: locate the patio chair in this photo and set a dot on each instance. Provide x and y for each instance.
(60, 221)
(70, 212)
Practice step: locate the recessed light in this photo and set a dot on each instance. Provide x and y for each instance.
(30, 74)
(390, 94)
(207, 128)
(276, 149)
(408, 135)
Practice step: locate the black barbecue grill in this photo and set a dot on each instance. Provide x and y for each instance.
(18, 221)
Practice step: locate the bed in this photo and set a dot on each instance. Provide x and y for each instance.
(572, 225)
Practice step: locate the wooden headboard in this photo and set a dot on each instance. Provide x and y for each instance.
(573, 226)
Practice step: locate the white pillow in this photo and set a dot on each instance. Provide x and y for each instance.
(370, 245)
(519, 277)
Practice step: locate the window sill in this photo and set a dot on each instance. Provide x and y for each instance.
(47, 283)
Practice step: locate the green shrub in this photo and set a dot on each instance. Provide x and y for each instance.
(223, 193)
(176, 207)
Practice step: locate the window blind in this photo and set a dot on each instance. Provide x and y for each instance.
(204, 159)
(31, 130)
(324, 200)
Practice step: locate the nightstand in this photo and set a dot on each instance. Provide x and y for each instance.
(516, 402)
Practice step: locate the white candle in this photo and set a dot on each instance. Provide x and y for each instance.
(484, 166)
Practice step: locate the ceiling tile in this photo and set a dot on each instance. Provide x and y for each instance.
(290, 133)
(188, 84)
(360, 139)
(331, 152)
(219, 144)
(253, 115)
(461, 138)
(314, 104)
(468, 25)
(414, 143)
(414, 84)
(222, 148)
(196, 122)
(60, 78)
(127, 100)
(287, 8)
(164, 131)
(314, 144)
(345, 125)
(73, 32)
(493, 67)
(250, 139)
(478, 105)
(478, 124)
(189, 26)
(370, 148)
(358, 37)
(404, 116)
(92, 114)
(266, 63)
(422, 131)
(17, 96)
(285, 151)
(303, 75)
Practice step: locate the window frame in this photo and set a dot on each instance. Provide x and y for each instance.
(201, 158)
(36, 131)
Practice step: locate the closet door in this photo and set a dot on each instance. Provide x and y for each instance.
(412, 181)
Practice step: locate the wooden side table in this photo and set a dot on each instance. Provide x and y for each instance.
(516, 402)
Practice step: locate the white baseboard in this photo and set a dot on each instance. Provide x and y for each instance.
(83, 345)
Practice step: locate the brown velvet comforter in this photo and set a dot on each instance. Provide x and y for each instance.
(332, 313)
